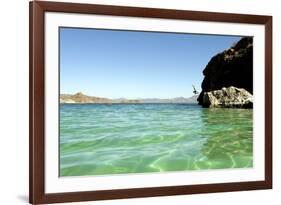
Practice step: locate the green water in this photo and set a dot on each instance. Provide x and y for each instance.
(138, 138)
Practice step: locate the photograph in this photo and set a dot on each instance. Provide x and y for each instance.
(137, 102)
(132, 102)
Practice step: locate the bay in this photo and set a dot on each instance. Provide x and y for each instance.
(99, 139)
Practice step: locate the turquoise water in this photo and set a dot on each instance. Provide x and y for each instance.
(98, 139)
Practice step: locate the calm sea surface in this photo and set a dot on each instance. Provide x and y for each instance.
(97, 139)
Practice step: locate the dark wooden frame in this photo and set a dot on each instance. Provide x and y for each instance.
(37, 194)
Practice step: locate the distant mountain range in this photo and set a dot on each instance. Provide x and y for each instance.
(190, 100)
(82, 98)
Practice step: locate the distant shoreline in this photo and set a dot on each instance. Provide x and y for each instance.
(80, 98)
(126, 103)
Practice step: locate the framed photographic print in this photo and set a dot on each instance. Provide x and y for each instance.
(139, 102)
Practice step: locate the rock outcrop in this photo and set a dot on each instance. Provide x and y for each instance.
(230, 97)
(232, 67)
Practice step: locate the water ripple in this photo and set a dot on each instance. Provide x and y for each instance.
(139, 138)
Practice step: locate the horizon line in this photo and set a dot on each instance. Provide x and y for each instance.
(128, 98)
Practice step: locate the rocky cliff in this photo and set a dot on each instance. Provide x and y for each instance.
(232, 67)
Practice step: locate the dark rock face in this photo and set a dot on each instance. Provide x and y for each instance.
(232, 67)
(230, 97)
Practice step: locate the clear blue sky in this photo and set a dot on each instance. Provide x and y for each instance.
(115, 64)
